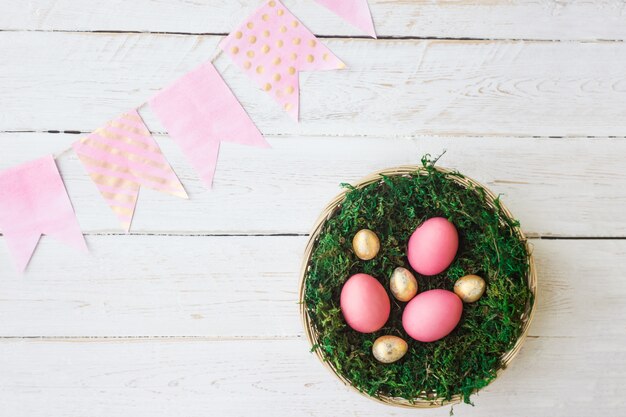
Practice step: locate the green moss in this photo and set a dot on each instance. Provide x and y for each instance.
(468, 358)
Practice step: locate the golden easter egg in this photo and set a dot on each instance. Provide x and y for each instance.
(403, 284)
(366, 244)
(388, 349)
(470, 288)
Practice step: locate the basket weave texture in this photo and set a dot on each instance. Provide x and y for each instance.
(329, 211)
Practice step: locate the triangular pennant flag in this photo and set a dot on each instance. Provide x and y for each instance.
(199, 111)
(34, 202)
(272, 46)
(122, 157)
(356, 12)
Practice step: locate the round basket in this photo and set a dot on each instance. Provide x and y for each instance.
(328, 212)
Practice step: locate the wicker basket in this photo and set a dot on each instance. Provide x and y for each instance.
(329, 211)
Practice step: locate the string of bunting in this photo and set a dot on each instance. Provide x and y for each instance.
(198, 110)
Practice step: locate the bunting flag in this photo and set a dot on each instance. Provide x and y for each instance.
(272, 46)
(122, 157)
(356, 12)
(199, 111)
(34, 202)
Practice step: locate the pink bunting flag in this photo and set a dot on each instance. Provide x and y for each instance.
(199, 111)
(34, 202)
(356, 12)
(122, 157)
(272, 46)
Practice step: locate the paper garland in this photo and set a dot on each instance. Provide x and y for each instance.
(272, 46)
(120, 158)
(34, 202)
(356, 12)
(199, 111)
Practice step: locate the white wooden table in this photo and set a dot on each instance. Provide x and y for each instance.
(195, 312)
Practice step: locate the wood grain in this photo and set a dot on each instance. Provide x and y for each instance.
(246, 287)
(556, 187)
(602, 19)
(280, 378)
(196, 313)
(77, 81)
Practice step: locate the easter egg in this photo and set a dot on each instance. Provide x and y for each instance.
(432, 315)
(432, 246)
(389, 349)
(364, 303)
(366, 244)
(469, 288)
(403, 284)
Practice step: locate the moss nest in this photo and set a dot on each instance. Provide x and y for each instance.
(468, 358)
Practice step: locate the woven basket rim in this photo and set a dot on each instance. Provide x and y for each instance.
(330, 209)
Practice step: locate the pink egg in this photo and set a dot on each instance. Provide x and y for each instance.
(432, 246)
(364, 303)
(432, 315)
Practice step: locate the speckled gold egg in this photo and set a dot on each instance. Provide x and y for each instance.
(403, 284)
(366, 244)
(470, 288)
(388, 349)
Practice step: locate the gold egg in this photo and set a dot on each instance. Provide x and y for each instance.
(403, 284)
(470, 288)
(366, 244)
(389, 349)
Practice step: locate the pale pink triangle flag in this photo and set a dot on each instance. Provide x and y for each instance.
(122, 157)
(356, 12)
(272, 46)
(199, 111)
(34, 202)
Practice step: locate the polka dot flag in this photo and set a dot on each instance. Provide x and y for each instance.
(272, 46)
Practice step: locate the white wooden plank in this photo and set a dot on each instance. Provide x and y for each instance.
(396, 87)
(551, 377)
(224, 307)
(556, 187)
(225, 287)
(155, 285)
(601, 19)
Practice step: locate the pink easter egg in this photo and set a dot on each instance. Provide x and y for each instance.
(364, 303)
(432, 315)
(432, 246)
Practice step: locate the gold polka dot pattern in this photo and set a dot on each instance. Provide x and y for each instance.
(272, 46)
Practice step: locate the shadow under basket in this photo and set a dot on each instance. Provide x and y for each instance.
(329, 211)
